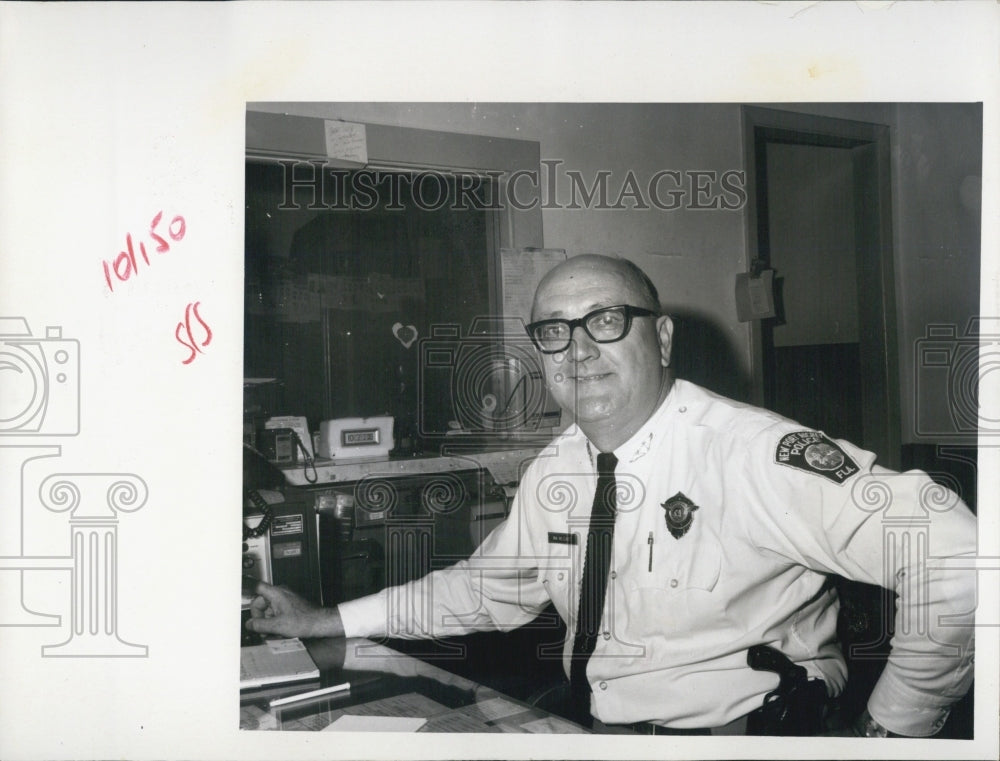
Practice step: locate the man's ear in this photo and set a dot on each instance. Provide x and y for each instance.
(665, 335)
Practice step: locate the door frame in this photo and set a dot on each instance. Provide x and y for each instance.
(878, 336)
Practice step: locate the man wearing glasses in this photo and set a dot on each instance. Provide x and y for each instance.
(686, 540)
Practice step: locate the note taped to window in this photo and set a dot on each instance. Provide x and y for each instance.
(346, 141)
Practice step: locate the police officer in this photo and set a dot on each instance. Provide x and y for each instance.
(686, 540)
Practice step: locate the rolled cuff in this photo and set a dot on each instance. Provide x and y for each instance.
(365, 616)
(905, 711)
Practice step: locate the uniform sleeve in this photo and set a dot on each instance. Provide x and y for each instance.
(831, 509)
(497, 587)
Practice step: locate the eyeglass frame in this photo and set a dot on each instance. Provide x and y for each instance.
(630, 312)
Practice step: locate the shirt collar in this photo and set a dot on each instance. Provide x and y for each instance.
(641, 442)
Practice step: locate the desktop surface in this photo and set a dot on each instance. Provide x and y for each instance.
(391, 690)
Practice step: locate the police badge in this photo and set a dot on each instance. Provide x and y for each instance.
(679, 514)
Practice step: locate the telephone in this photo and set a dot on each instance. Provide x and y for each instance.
(258, 474)
(286, 447)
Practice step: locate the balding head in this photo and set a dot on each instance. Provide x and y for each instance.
(643, 292)
(609, 387)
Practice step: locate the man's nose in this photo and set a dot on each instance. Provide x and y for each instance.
(581, 345)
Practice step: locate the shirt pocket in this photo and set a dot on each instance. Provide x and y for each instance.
(680, 596)
(675, 571)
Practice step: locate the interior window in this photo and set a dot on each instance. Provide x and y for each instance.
(340, 288)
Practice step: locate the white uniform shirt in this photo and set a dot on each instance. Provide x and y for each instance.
(770, 508)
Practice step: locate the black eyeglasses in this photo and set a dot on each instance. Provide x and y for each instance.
(605, 325)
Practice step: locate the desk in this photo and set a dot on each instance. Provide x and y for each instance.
(503, 463)
(388, 683)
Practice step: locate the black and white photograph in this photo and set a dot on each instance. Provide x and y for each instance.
(592, 380)
(762, 314)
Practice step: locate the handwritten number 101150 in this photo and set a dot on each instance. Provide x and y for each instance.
(126, 263)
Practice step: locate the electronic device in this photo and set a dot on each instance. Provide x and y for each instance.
(298, 425)
(279, 445)
(278, 534)
(356, 437)
(285, 446)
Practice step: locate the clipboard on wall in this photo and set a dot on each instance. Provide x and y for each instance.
(523, 388)
(521, 269)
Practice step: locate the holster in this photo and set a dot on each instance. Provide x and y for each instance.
(796, 707)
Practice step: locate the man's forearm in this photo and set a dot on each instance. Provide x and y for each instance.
(331, 624)
(930, 666)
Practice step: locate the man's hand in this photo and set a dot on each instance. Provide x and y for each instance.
(277, 610)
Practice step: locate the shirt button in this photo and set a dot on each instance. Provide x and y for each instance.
(673, 583)
(607, 635)
(682, 409)
(560, 576)
(603, 685)
(614, 574)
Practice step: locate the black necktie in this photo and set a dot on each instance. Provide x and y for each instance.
(596, 564)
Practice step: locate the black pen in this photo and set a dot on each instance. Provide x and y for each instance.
(650, 543)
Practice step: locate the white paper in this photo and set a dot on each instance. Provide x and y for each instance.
(346, 141)
(352, 723)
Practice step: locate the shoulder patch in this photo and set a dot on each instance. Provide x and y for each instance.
(814, 452)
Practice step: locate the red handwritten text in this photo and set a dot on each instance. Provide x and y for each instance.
(185, 327)
(126, 263)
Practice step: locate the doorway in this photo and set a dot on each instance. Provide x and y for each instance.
(819, 214)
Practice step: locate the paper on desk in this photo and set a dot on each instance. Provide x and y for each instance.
(310, 723)
(478, 717)
(352, 723)
(458, 720)
(278, 646)
(552, 725)
(411, 705)
(498, 708)
(254, 717)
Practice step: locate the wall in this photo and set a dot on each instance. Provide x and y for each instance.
(937, 162)
(693, 254)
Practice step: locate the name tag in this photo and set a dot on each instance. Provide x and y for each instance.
(557, 538)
